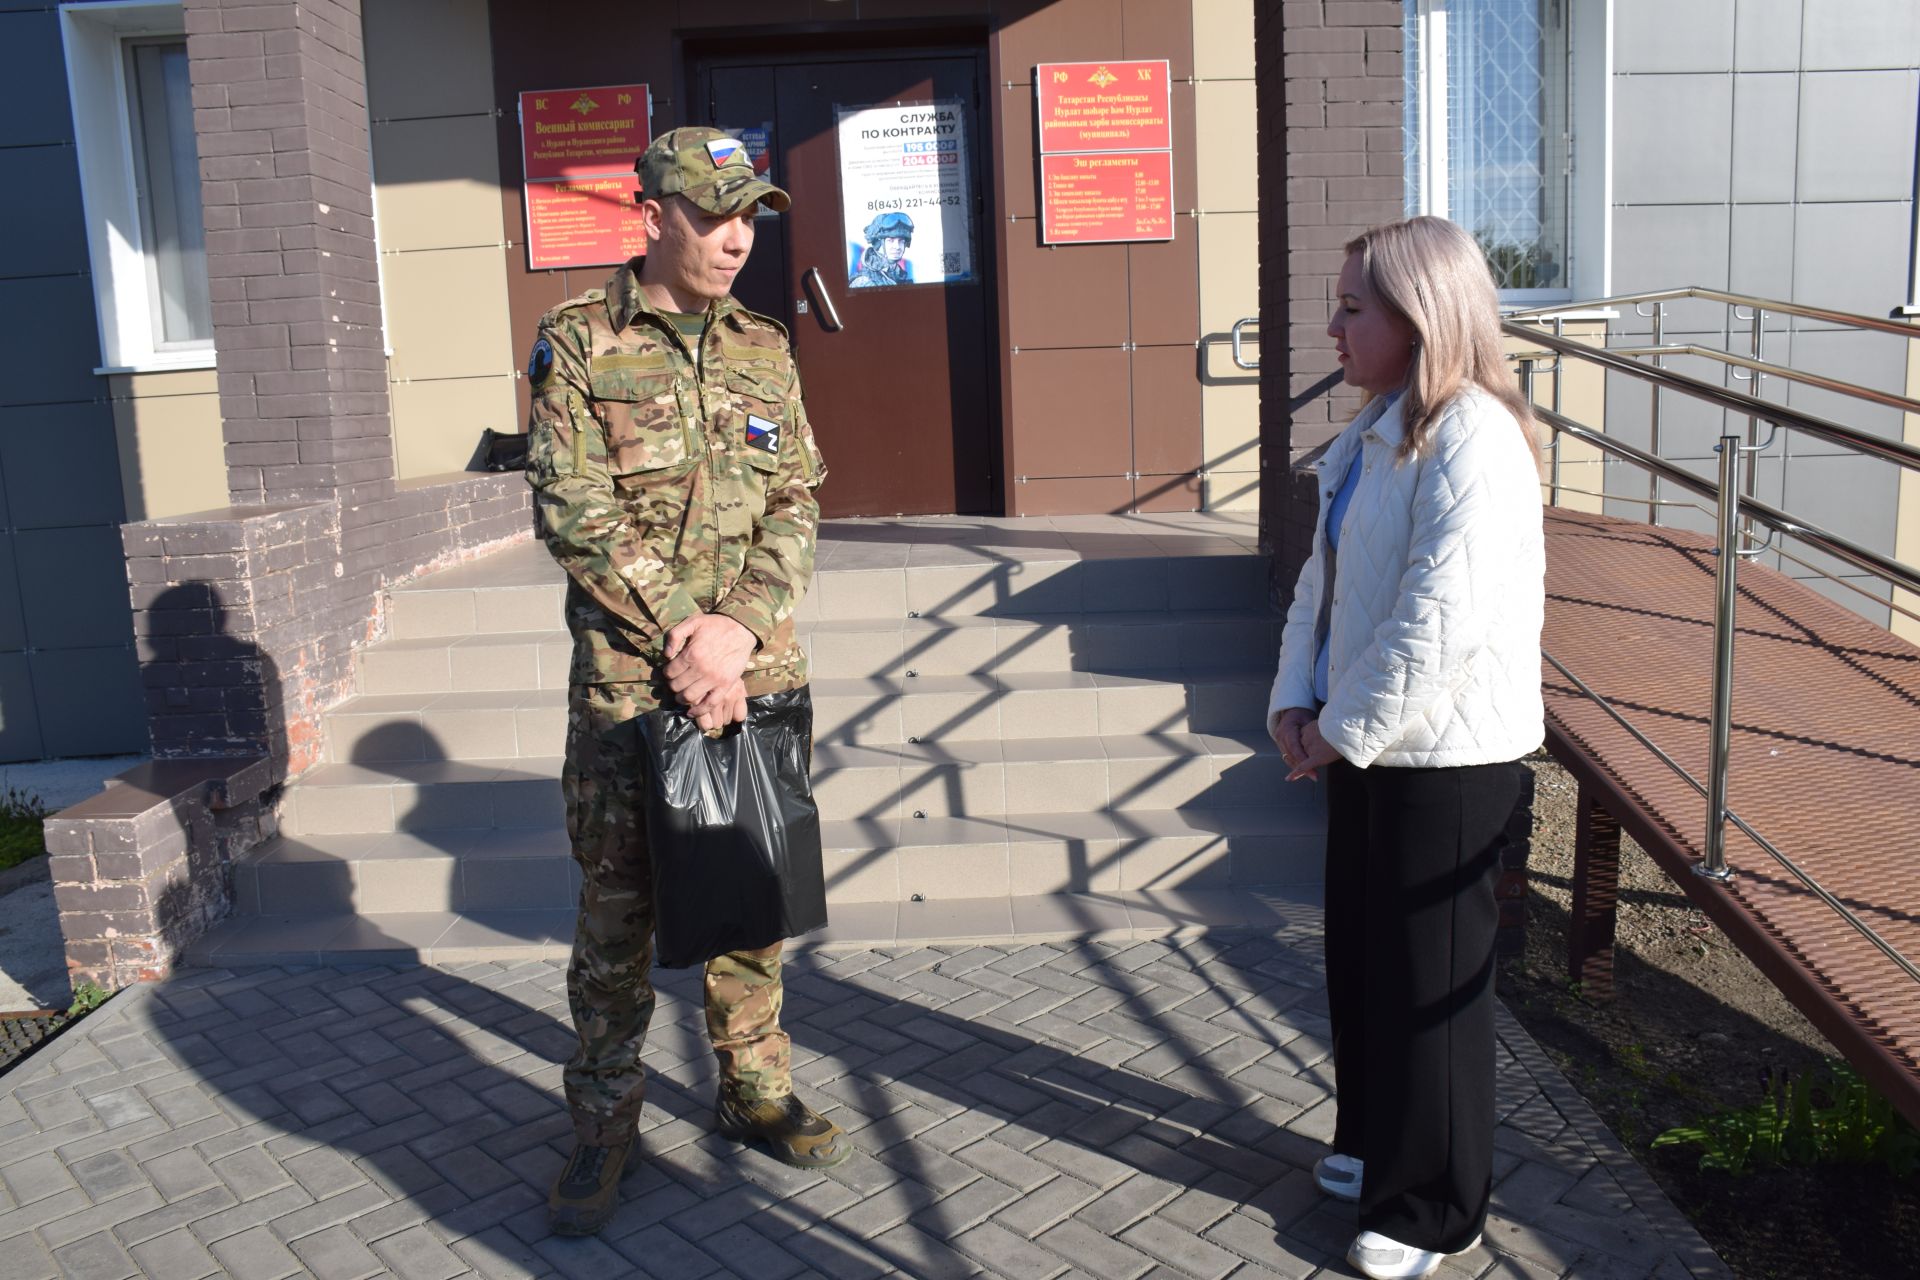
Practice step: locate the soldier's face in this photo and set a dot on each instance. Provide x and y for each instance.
(894, 247)
(696, 253)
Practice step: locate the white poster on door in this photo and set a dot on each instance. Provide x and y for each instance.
(904, 201)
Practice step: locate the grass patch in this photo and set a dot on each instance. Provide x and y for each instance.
(21, 837)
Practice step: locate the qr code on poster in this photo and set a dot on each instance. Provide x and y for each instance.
(950, 262)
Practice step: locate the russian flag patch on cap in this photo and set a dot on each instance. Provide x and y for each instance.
(725, 151)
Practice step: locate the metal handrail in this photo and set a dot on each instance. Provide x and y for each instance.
(1734, 509)
(1739, 401)
(1239, 331)
(1773, 305)
(1841, 548)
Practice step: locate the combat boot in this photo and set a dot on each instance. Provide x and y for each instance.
(794, 1132)
(588, 1188)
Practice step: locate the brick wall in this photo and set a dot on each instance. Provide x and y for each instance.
(246, 618)
(280, 118)
(1340, 91)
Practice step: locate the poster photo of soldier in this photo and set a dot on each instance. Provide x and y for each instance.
(905, 200)
(882, 259)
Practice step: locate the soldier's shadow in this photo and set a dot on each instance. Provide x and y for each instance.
(419, 1108)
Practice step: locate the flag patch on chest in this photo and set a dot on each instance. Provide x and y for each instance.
(763, 435)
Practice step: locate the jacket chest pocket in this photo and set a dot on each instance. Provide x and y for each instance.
(638, 401)
(743, 494)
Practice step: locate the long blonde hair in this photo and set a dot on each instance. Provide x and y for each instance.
(1431, 273)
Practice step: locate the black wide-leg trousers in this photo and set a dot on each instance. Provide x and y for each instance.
(1412, 855)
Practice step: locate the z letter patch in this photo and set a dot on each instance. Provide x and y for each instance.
(763, 435)
(540, 365)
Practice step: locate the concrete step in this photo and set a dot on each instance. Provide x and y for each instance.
(967, 644)
(1038, 704)
(867, 860)
(519, 592)
(985, 778)
(856, 648)
(428, 725)
(939, 779)
(451, 937)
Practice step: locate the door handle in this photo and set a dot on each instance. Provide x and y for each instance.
(819, 290)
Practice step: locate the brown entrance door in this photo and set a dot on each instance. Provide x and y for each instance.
(899, 380)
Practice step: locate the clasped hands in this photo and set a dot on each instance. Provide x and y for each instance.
(706, 655)
(1302, 747)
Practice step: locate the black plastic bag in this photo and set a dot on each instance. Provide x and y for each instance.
(733, 831)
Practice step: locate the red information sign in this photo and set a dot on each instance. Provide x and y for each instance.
(1102, 198)
(586, 222)
(582, 133)
(578, 147)
(1104, 106)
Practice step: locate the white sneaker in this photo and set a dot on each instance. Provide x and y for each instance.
(1373, 1254)
(1338, 1176)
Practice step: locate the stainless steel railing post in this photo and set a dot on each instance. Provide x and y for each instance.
(1559, 379)
(1713, 862)
(1653, 415)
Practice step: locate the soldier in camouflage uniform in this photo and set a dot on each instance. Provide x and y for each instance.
(673, 471)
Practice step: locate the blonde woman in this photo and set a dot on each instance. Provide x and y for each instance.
(1410, 677)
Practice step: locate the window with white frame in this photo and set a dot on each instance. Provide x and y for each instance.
(140, 181)
(1491, 105)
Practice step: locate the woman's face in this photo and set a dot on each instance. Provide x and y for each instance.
(1375, 344)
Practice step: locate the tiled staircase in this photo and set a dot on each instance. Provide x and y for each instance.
(1022, 727)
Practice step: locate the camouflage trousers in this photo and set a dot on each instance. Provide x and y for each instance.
(608, 981)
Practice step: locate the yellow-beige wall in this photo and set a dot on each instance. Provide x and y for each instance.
(1906, 536)
(1584, 399)
(442, 257)
(1228, 145)
(173, 459)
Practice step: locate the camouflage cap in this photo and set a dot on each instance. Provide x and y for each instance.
(708, 167)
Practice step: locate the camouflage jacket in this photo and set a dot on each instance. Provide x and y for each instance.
(667, 487)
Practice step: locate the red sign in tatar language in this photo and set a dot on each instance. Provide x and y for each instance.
(1104, 106)
(1102, 198)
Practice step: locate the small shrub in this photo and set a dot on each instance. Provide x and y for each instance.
(1824, 1117)
(86, 998)
(21, 814)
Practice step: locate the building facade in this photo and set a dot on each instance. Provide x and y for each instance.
(275, 285)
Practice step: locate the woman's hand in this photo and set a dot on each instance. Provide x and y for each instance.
(1315, 754)
(1286, 733)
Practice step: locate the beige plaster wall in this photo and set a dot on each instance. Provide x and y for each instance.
(1584, 399)
(1228, 230)
(442, 257)
(1906, 529)
(173, 459)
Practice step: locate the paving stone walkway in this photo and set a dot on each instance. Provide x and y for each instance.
(1112, 1111)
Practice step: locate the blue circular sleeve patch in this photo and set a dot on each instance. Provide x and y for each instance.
(541, 364)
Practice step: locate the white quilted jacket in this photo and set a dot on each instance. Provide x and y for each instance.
(1434, 655)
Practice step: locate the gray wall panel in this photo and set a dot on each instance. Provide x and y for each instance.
(1673, 138)
(60, 464)
(1762, 251)
(34, 109)
(13, 626)
(1853, 257)
(1844, 35)
(1856, 135)
(1766, 35)
(1765, 135)
(90, 702)
(1658, 35)
(19, 721)
(1660, 246)
(52, 340)
(74, 585)
(46, 234)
